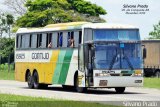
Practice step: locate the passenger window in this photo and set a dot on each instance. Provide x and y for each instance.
(17, 41)
(60, 39)
(39, 40)
(49, 40)
(30, 40)
(76, 38)
(23, 41)
(34, 41)
(54, 39)
(68, 38)
(20, 41)
(65, 39)
(88, 35)
(71, 42)
(80, 37)
(26, 42)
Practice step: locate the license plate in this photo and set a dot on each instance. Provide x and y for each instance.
(103, 83)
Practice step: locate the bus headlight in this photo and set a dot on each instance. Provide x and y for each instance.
(101, 74)
(138, 73)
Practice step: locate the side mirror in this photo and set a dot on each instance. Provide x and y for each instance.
(144, 53)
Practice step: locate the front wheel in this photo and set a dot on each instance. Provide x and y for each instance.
(120, 90)
(79, 89)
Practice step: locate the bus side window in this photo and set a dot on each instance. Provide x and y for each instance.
(68, 38)
(88, 35)
(26, 42)
(30, 40)
(17, 41)
(60, 39)
(65, 39)
(49, 40)
(20, 43)
(34, 41)
(80, 37)
(39, 40)
(76, 38)
(54, 39)
(71, 39)
(23, 41)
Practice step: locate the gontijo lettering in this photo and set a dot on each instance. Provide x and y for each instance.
(40, 55)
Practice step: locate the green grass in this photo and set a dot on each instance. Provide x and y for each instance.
(152, 83)
(24, 101)
(5, 75)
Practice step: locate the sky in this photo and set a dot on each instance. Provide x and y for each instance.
(144, 22)
(115, 14)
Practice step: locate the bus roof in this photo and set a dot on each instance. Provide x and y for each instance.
(53, 27)
(75, 25)
(109, 26)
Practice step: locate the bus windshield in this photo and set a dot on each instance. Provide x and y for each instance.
(114, 56)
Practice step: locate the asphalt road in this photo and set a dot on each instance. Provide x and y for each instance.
(98, 95)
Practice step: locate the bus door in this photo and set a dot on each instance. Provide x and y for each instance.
(81, 66)
(88, 59)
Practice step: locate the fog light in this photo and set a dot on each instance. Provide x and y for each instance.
(138, 81)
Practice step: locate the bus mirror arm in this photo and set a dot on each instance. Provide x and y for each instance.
(144, 52)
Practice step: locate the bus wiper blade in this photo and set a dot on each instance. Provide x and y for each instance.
(112, 62)
(129, 63)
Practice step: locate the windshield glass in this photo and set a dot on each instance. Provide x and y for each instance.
(117, 56)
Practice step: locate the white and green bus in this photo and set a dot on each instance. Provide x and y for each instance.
(104, 56)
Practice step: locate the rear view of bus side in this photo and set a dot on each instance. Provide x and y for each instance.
(79, 54)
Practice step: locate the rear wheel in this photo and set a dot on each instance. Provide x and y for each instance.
(120, 90)
(36, 83)
(30, 80)
(36, 80)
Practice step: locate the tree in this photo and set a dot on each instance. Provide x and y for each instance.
(155, 34)
(17, 6)
(43, 12)
(10, 21)
(2, 24)
(7, 51)
(5, 23)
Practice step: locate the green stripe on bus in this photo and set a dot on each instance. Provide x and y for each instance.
(65, 66)
(59, 64)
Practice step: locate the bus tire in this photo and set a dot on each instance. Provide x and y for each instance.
(36, 80)
(79, 89)
(30, 80)
(120, 90)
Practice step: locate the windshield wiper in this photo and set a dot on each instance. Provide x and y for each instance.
(112, 62)
(129, 63)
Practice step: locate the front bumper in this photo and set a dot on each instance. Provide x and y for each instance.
(118, 81)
